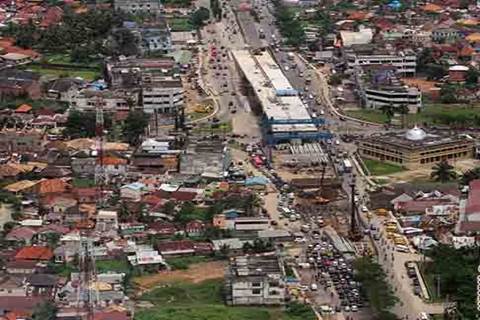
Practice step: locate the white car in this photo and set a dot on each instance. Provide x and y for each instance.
(364, 209)
(354, 308)
(300, 240)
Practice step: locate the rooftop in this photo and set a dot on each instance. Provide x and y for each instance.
(259, 265)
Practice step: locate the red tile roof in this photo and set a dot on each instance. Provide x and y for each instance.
(113, 161)
(24, 108)
(20, 233)
(161, 228)
(20, 304)
(52, 186)
(473, 201)
(418, 205)
(34, 253)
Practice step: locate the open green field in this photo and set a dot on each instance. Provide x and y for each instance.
(120, 265)
(88, 75)
(180, 24)
(432, 114)
(378, 168)
(182, 263)
(203, 301)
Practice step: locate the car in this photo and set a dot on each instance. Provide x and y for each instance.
(417, 290)
(313, 287)
(354, 308)
(346, 308)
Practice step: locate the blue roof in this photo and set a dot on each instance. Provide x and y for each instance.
(257, 180)
(135, 186)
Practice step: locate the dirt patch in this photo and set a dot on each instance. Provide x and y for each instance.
(423, 84)
(196, 273)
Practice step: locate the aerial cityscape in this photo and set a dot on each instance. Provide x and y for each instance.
(239, 160)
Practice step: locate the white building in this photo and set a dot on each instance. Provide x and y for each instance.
(164, 96)
(106, 220)
(255, 280)
(87, 100)
(145, 255)
(404, 62)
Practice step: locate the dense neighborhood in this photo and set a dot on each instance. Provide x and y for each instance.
(241, 159)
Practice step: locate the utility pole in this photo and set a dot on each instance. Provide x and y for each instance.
(353, 224)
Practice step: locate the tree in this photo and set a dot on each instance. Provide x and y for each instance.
(335, 79)
(45, 311)
(199, 17)
(169, 208)
(388, 110)
(472, 77)
(125, 42)
(448, 94)
(80, 125)
(443, 172)
(470, 175)
(403, 110)
(134, 126)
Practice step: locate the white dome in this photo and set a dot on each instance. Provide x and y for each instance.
(415, 134)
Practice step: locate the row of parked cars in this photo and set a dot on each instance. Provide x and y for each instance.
(412, 274)
(333, 271)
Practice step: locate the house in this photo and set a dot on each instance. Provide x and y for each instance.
(34, 253)
(106, 221)
(160, 228)
(63, 89)
(59, 204)
(15, 59)
(111, 315)
(21, 235)
(15, 82)
(255, 280)
(176, 248)
(133, 191)
(195, 228)
(22, 141)
(46, 232)
(113, 166)
(86, 195)
(24, 108)
(23, 267)
(256, 183)
(20, 304)
(51, 186)
(83, 164)
(42, 285)
(12, 286)
(145, 256)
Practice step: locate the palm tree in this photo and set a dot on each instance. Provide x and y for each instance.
(443, 172)
(403, 110)
(388, 110)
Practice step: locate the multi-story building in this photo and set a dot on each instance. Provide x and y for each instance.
(379, 85)
(415, 148)
(255, 280)
(405, 62)
(164, 96)
(139, 6)
(118, 100)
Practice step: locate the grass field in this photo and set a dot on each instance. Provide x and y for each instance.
(378, 168)
(432, 114)
(203, 301)
(180, 24)
(83, 183)
(88, 75)
(182, 263)
(120, 265)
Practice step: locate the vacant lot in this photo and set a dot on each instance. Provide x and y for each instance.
(378, 168)
(204, 301)
(87, 75)
(195, 273)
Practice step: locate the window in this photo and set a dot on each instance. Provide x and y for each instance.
(256, 291)
(255, 284)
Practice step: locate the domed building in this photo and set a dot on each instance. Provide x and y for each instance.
(415, 147)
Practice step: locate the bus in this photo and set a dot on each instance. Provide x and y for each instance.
(347, 166)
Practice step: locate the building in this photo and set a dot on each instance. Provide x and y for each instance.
(457, 73)
(445, 34)
(415, 148)
(255, 280)
(111, 100)
(139, 6)
(405, 61)
(156, 38)
(20, 141)
(251, 223)
(164, 96)
(469, 219)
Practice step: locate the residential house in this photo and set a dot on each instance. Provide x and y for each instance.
(64, 89)
(139, 6)
(111, 315)
(12, 286)
(15, 82)
(255, 280)
(113, 166)
(161, 228)
(445, 35)
(86, 195)
(195, 228)
(59, 204)
(133, 191)
(34, 253)
(106, 221)
(23, 267)
(83, 164)
(25, 305)
(52, 186)
(51, 230)
(42, 285)
(22, 141)
(21, 235)
(145, 255)
(176, 248)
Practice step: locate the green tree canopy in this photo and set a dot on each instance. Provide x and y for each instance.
(134, 126)
(443, 172)
(199, 17)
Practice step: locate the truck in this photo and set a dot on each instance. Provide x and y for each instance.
(347, 166)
